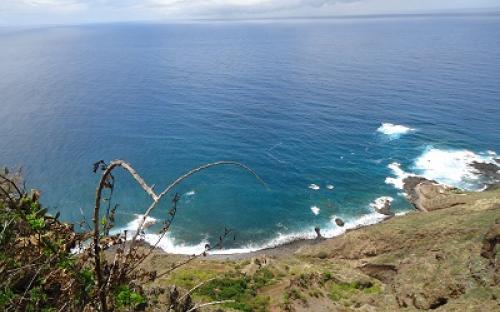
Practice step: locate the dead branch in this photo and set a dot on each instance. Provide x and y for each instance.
(196, 287)
(185, 176)
(103, 183)
(209, 304)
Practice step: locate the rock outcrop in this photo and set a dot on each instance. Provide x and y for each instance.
(428, 195)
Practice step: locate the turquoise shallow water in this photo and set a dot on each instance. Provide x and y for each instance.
(298, 101)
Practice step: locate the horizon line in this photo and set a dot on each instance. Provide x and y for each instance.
(494, 11)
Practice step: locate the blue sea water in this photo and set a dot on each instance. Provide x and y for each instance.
(298, 101)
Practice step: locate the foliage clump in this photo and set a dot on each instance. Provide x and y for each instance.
(339, 291)
(241, 289)
(40, 272)
(37, 269)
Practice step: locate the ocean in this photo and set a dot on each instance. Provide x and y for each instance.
(330, 113)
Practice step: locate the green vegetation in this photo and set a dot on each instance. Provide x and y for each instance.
(39, 272)
(128, 299)
(422, 260)
(243, 290)
(339, 291)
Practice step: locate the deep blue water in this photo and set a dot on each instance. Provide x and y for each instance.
(298, 101)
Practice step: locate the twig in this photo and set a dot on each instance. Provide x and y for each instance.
(196, 287)
(209, 304)
(103, 183)
(12, 183)
(193, 257)
(185, 176)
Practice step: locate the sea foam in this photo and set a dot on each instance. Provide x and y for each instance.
(380, 202)
(452, 167)
(169, 244)
(446, 166)
(399, 175)
(315, 210)
(314, 187)
(394, 131)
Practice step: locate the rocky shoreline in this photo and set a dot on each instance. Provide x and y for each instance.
(424, 194)
(441, 256)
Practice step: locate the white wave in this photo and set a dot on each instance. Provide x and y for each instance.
(132, 226)
(330, 187)
(314, 187)
(315, 210)
(169, 245)
(380, 202)
(446, 166)
(394, 131)
(452, 167)
(190, 193)
(364, 220)
(400, 175)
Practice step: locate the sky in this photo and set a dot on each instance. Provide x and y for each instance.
(42, 12)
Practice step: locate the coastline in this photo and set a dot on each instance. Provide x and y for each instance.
(388, 266)
(425, 195)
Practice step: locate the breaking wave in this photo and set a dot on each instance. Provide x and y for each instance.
(169, 244)
(394, 131)
(446, 166)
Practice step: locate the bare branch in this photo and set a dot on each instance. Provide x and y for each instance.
(208, 248)
(209, 304)
(185, 176)
(102, 184)
(196, 287)
(11, 182)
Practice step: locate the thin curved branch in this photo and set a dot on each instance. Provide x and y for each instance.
(195, 256)
(156, 198)
(184, 177)
(98, 198)
(196, 307)
(12, 183)
(196, 287)
(6, 194)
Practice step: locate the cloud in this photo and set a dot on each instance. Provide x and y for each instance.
(235, 8)
(60, 6)
(77, 11)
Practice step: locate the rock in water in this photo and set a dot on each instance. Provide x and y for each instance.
(489, 172)
(383, 205)
(339, 222)
(318, 232)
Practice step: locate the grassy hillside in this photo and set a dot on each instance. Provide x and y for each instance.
(418, 261)
(443, 257)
